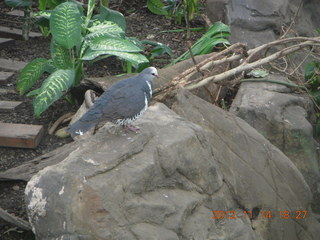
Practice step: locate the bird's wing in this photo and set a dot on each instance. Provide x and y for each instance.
(124, 102)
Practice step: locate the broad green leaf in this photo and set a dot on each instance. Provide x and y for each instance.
(42, 22)
(92, 54)
(94, 37)
(30, 74)
(53, 3)
(113, 16)
(311, 74)
(136, 42)
(113, 44)
(216, 28)
(34, 92)
(65, 25)
(309, 70)
(91, 4)
(18, 3)
(61, 56)
(99, 26)
(134, 58)
(50, 68)
(52, 89)
(316, 96)
(156, 7)
(159, 48)
(42, 4)
(216, 34)
(192, 6)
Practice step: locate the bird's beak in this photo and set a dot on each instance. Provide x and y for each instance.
(157, 76)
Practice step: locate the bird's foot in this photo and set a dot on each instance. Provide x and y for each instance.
(132, 128)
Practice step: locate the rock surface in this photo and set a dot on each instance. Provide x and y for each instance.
(258, 21)
(164, 182)
(284, 118)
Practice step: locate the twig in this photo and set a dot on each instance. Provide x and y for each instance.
(284, 70)
(16, 221)
(305, 58)
(206, 19)
(89, 98)
(293, 20)
(59, 121)
(266, 46)
(247, 66)
(210, 58)
(193, 59)
(218, 94)
(272, 81)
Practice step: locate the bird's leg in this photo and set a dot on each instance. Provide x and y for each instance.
(132, 128)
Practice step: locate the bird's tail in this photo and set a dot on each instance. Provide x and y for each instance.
(80, 127)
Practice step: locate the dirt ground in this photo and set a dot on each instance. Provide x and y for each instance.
(140, 23)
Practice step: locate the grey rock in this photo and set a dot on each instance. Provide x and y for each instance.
(129, 180)
(164, 182)
(257, 173)
(259, 21)
(284, 118)
(145, 231)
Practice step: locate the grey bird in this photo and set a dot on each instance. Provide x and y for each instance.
(124, 102)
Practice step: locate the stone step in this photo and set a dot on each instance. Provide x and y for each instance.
(8, 106)
(4, 76)
(16, 12)
(6, 32)
(20, 135)
(11, 65)
(7, 91)
(5, 42)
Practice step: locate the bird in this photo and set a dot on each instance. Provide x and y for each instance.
(123, 103)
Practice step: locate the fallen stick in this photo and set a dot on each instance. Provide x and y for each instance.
(248, 66)
(16, 221)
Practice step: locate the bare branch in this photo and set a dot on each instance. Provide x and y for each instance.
(248, 66)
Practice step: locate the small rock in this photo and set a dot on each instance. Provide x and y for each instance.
(151, 36)
(16, 188)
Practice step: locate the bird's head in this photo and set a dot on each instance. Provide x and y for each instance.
(151, 71)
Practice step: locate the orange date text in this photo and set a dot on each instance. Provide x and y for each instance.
(262, 214)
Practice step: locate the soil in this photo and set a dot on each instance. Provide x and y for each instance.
(140, 23)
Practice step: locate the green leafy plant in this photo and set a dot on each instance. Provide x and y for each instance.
(157, 7)
(42, 16)
(176, 9)
(76, 38)
(312, 77)
(216, 35)
(26, 5)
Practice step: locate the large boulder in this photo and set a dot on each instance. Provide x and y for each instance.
(171, 180)
(285, 119)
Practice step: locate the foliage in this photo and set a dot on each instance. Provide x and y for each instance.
(156, 7)
(312, 77)
(158, 50)
(73, 43)
(176, 9)
(312, 74)
(216, 35)
(42, 16)
(18, 3)
(26, 5)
